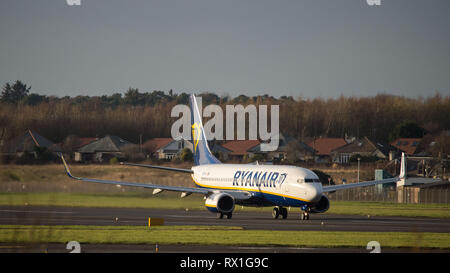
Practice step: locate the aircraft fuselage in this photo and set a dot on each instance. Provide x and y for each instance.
(269, 185)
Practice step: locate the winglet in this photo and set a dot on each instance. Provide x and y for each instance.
(403, 167)
(66, 166)
(402, 176)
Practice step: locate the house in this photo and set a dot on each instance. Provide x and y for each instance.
(407, 145)
(362, 147)
(28, 143)
(240, 148)
(218, 150)
(166, 148)
(288, 148)
(75, 143)
(155, 147)
(324, 146)
(102, 149)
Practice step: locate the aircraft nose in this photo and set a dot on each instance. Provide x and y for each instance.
(315, 193)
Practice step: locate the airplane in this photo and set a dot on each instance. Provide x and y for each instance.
(227, 185)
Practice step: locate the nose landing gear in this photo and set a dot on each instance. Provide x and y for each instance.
(305, 216)
(305, 213)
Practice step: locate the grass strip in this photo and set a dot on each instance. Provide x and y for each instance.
(217, 235)
(390, 209)
(196, 202)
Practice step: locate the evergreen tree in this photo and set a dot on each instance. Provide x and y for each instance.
(15, 93)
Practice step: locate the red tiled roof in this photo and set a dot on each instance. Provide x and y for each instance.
(155, 144)
(82, 141)
(240, 147)
(324, 146)
(408, 145)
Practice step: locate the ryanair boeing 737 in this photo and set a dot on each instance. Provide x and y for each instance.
(227, 185)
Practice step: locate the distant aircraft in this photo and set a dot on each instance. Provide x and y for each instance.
(227, 185)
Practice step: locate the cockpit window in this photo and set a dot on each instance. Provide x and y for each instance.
(312, 180)
(308, 180)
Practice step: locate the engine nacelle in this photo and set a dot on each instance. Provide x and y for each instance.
(220, 202)
(321, 206)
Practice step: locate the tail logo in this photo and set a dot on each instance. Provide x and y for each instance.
(195, 135)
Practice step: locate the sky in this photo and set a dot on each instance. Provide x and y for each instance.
(299, 48)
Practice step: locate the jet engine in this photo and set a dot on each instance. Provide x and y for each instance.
(220, 202)
(321, 206)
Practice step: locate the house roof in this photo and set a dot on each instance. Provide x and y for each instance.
(425, 144)
(325, 145)
(408, 145)
(28, 141)
(363, 145)
(438, 183)
(240, 147)
(85, 141)
(216, 147)
(283, 145)
(155, 144)
(82, 141)
(105, 144)
(385, 148)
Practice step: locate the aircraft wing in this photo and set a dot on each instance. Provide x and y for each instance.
(158, 167)
(360, 184)
(237, 194)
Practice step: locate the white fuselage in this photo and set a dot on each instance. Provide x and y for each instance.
(277, 184)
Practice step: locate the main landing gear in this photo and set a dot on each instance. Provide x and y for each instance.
(277, 211)
(220, 215)
(281, 211)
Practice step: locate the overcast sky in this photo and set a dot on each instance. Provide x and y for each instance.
(306, 48)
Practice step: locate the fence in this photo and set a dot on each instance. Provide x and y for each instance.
(411, 195)
(434, 196)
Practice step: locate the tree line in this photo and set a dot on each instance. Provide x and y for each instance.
(136, 115)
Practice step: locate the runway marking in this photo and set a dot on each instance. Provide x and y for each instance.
(185, 216)
(274, 248)
(12, 247)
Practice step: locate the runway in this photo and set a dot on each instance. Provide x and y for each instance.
(40, 215)
(37, 215)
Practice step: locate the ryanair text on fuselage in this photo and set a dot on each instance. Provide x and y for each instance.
(258, 179)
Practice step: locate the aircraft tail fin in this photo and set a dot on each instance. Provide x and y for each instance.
(202, 154)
